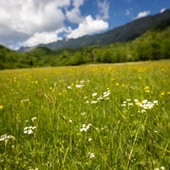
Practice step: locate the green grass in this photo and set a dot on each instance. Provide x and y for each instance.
(86, 117)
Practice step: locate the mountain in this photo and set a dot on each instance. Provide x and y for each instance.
(154, 44)
(123, 33)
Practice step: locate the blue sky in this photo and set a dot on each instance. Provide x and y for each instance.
(30, 22)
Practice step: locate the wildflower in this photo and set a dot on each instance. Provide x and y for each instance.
(90, 139)
(168, 92)
(93, 102)
(6, 137)
(143, 111)
(162, 93)
(155, 102)
(107, 93)
(147, 105)
(91, 155)
(84, 127)
(82, 81)
(33, 119)
(87, 102)
(29, 130)
(147, 91)
(123, 105)
(85, 97)
(1, 106)
(83, 113)
(79, 85)
(94, 94)
(70, 121)
(69, 87)
(162, 167)
(145, 101)
(146, 87)
(136, 100)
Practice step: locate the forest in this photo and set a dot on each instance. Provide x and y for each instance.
(152, 45)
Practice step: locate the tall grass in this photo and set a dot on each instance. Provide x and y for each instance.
(86, 117)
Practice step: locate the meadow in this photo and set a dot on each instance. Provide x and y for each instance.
(91, 117)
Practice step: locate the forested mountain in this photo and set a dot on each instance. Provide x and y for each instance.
(124, 33)
(152, 45)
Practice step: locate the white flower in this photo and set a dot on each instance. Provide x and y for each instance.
(87, 101)
(6, 137)
(82, 81)
(123, 105)
(29, 130)
(136, 100)
(155, 102)
(162, 167)
(90, 139)
(91, 155)
(83, 113)
(143, 111)
(145, 101)
(69, 87)
(85, 128)
(33, 119)
(93, 102)
(107, 93)
(94, 94)
(79, 85)
(100, 98)
(85, 97)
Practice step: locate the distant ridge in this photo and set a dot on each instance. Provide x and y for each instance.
(124, 33)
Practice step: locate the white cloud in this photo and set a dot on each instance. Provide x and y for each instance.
(74, 15)
(31, 15)
(104, 10)
(25, 18)
(88, 26)
(142, 14)
(162, 10)
(44, 37)
(31, 22)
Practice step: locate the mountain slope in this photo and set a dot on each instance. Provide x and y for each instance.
(152, 45)
(123, 33)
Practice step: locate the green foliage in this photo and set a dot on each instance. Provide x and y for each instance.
(153, 45)
(86, 117)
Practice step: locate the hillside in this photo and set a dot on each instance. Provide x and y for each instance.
(152, 45)
(124, 33)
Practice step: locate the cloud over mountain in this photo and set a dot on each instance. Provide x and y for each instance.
(30, 22)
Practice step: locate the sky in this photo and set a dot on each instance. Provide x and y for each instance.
(31, 22)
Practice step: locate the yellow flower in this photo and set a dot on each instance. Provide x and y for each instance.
(138, 103)
(1, 106)
(147, 91)
(146, 87)
(168, 92)
(162, 93)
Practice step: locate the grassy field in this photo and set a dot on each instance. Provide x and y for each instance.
(92, 117)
